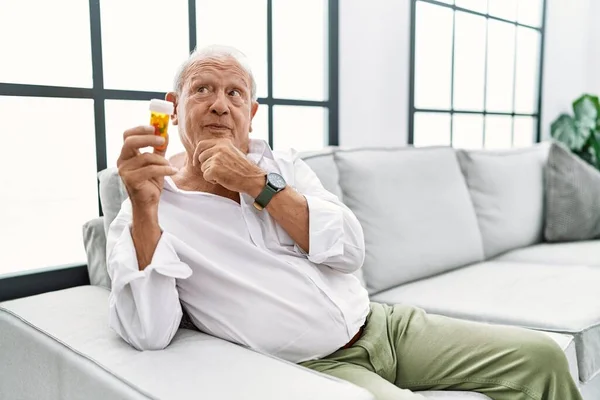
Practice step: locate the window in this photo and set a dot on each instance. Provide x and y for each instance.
(102, 62)
(476, 73)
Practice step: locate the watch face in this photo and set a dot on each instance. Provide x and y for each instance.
(276, 181)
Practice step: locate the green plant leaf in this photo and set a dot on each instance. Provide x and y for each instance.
(587, 110)
(566, 131)
(596, 146)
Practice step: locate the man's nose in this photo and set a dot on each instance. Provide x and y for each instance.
(220, 106)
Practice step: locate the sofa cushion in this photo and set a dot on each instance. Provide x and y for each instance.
(552, 298)
(507, 188)
(68, 328)
(415, 211)
(574, 253)
(59, 346)
(323, 164)
(572, 197)
(94, 241)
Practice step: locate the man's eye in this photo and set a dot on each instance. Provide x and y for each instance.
(235, 92)
(202, 89)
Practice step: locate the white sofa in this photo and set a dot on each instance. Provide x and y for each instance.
(458, 233)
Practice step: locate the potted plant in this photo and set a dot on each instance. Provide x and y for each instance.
(581, 132)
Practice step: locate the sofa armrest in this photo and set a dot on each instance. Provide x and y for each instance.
(58, 346)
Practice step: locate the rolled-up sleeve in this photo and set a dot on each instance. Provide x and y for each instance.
(336, 237)
(144, 307)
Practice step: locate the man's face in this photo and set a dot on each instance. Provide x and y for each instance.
(215, 102)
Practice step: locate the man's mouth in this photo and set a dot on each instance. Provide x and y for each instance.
(217, 126)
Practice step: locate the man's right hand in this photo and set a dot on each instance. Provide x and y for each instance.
(143, 174)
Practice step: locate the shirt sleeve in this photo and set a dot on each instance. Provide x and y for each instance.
(336, 237)
(144, 307)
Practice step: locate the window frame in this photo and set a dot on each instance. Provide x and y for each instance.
(30, 282)
(451, 111)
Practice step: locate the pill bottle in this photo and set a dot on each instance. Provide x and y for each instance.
(160, 113)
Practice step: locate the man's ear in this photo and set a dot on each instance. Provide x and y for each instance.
(253, 110)
(172, 97)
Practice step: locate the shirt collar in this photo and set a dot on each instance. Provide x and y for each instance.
(257, 150)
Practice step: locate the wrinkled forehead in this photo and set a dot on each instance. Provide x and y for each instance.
(226, 67)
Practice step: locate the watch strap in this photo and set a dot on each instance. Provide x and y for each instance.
(265, 197)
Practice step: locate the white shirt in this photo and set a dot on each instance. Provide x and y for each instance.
(238, 274)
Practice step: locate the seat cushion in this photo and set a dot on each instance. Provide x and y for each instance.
(415, 211)
(574, 253)
(591, 389)
(507, 188)
(69, 329)
(58, 346)
(555, 298)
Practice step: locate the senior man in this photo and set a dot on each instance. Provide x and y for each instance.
(259, 253)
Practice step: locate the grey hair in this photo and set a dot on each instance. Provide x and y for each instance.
(215, 51)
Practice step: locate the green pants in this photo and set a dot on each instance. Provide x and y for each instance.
(404, 349)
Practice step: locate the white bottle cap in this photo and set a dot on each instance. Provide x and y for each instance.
(161, 106)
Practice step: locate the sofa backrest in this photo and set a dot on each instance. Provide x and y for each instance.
(415, 210)
(424, 210)
(323, 164)
(507, 189)
(113, 193)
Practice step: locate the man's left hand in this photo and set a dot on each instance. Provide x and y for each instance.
(224, 164)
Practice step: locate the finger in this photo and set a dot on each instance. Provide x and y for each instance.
(143, 160)
(205, 165)
(139, 130)
(133, 144)
(149, 172)
(206, 154)
(204, 145)
(209, 175)
(161, 149)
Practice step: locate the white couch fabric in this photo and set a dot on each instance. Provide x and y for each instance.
(553, 298)
(415, 210)
(59, 347)
(437, 220)
(574, 253)
(507, 188)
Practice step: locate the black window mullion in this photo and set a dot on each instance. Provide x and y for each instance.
(452, 77)
(541, 74)
(411, 83)
(413, 110)
(97, 89)
(333, 72)
(514, 87)
(270, 69)
(466, 10)
(192, 24)
(485, 74)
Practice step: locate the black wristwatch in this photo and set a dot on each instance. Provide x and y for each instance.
(275, 184)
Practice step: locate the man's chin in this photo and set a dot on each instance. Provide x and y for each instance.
(218, 133)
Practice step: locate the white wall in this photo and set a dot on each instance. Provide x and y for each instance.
(569, 54)
(594, 49)
(375, 60)
(374, 72)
